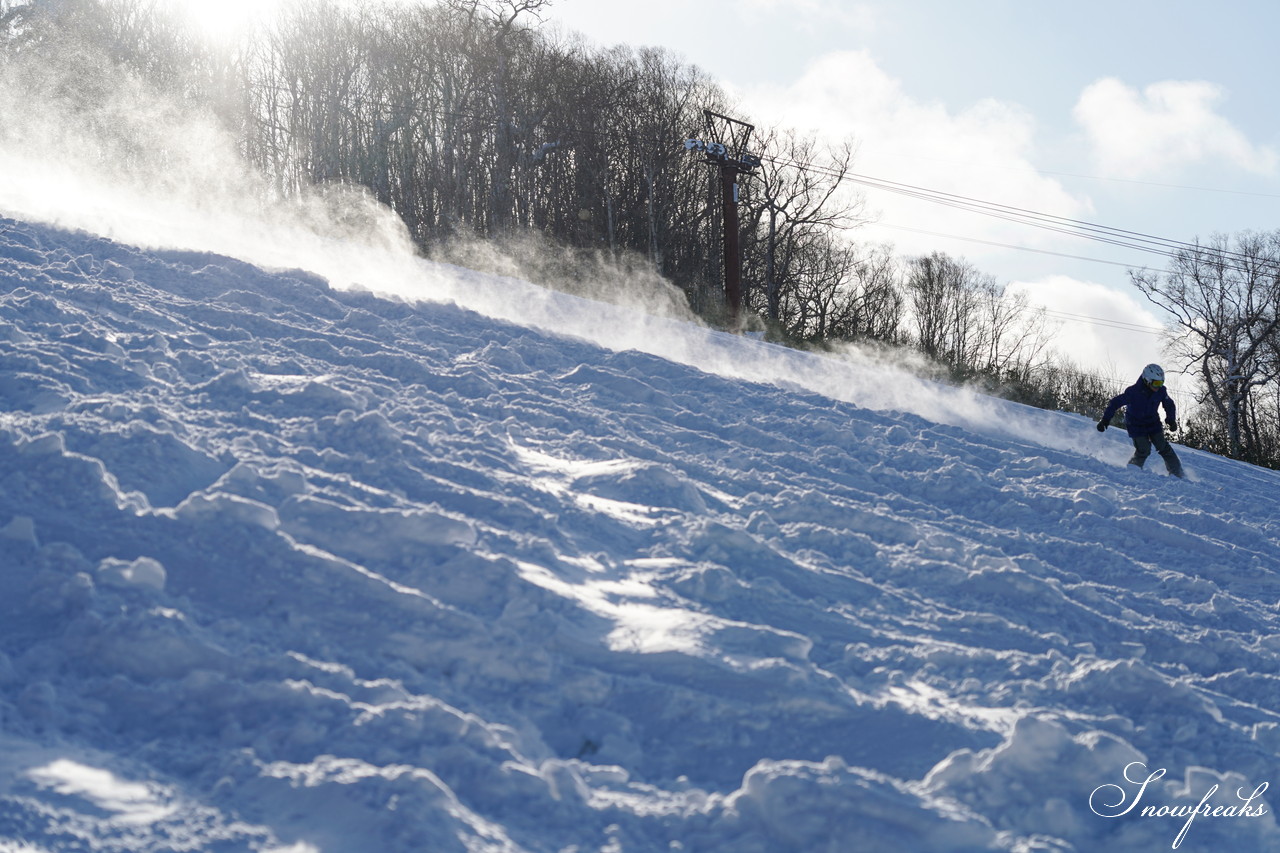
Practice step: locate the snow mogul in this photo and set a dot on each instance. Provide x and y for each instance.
(1142, 401)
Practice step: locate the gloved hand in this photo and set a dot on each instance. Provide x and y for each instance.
(1102, 425)
(1171, 424)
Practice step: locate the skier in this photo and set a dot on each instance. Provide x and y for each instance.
(1142, 401)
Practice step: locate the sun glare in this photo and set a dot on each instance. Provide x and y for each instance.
(225, 19)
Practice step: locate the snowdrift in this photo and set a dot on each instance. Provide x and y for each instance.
(287, 567)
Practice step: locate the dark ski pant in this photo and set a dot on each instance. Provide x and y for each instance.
(1142, 445)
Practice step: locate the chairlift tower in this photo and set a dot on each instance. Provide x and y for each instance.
(726, 149)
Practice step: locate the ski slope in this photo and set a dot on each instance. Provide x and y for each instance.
(477, 567)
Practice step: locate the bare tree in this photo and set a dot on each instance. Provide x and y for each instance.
(1224, 297)
(507, 41)
(1016, 337)
(964, 318)
(943, 296)
(793, 203)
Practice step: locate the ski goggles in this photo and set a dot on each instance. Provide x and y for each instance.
(1156, 383)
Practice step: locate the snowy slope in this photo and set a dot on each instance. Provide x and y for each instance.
(286, 567)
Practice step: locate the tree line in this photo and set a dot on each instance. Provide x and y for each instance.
(475, 120)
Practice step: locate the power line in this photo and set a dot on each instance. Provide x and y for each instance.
(1003, 245)
(1063, 225)
(1060, 224)
(1081, 176)
(1166, 247)
(1100, 321)
(1158, 184)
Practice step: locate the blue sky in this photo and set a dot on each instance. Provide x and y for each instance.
(1159, 118)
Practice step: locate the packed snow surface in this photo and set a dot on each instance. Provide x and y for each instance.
(291, 567)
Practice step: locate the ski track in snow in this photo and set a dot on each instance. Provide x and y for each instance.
(284, 567)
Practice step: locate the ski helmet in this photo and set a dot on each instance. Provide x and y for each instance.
(1153, 375)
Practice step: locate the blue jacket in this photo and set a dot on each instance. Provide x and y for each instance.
(1142, 408)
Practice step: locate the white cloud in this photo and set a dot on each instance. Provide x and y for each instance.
(1104, 331)
(984, 151)
(1166, 126)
